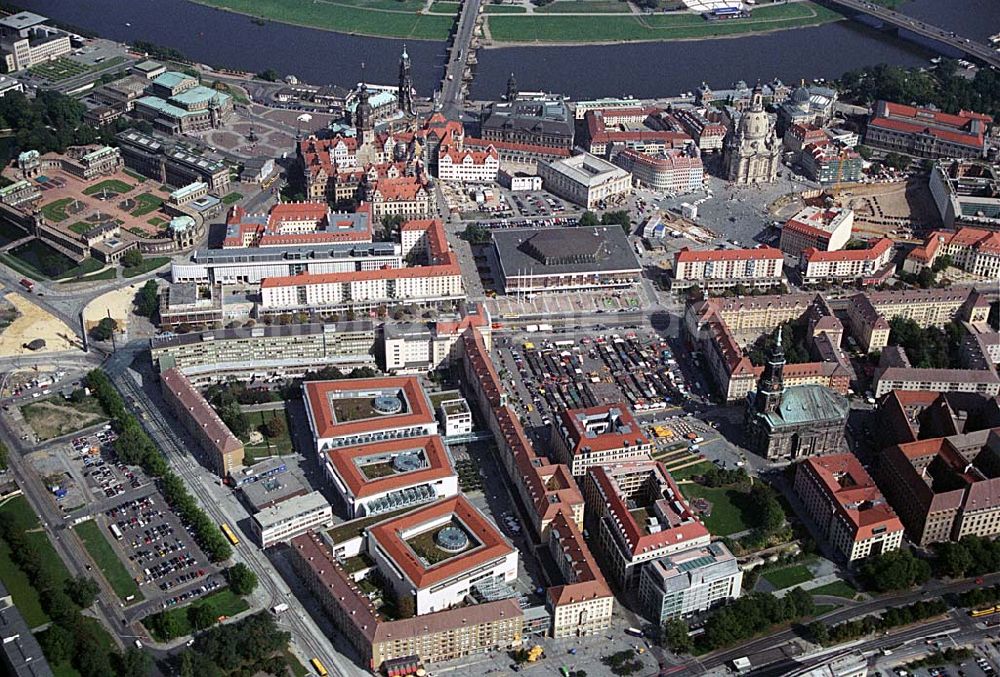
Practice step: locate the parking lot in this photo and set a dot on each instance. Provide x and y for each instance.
(104, 479)
(161, 552)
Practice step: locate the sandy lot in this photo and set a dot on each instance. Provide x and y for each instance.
(117, 303)
(35, 323)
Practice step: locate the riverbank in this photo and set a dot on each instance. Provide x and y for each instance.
(563, 22)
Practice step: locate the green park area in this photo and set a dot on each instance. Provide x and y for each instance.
(605, 27)
(221, 603)
(56, 210)
(18, 516)
(789, 576)
(109, 185)
(145, 204)
(732, 509)
(146, 266)
(232, 198)
(57, 416)
(102, 552)
(556, 22)
(392, 18)
(279, 443)
(835, 589)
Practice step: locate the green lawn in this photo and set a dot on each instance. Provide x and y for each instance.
(444, 7)
(56, 210)
(824, 608)
(102, 552)
(281, 445)
(789, 576)
(689, 472)
(147, 265)
(107, 274)
(392, 18)
(112, 185)
(671, 26)
(585, 7)
(156, 221)
(86, 267)
(223, 603)
(82, 227)
(232, 198)
(147, 202)
(19, 514)
(731, 509)
(504, 9)
(836, 589)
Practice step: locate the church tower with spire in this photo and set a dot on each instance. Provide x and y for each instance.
(511, 88)
(771, 387)
(405, 93)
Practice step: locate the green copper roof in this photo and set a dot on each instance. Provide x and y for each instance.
(171, 79)
(808, 404)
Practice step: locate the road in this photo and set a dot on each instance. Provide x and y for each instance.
(452, 95)
(971, 48)
(221, 507)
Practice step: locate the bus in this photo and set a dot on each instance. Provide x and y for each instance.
(635, 632)
(115, 531)
(988, 611)
(319, 667)
(229, 534)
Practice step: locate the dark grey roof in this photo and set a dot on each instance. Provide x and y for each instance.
(564, 250)
(22, 653)
(263, 254)
(260, 331)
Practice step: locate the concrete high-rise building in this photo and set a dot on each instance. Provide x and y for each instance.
(751, 150)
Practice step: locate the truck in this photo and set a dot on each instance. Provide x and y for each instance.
(545, 327)
(27, 284)
(279, 608)
(531, 328)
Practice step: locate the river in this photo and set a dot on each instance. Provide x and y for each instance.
(216, 37)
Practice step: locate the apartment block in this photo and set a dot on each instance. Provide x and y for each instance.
(866, 266)
(825, 229)
(715, 269)
(599, 435)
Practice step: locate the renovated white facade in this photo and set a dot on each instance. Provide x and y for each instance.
(290, 518)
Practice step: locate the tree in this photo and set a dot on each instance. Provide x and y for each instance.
(57, 643)
(942, 262)
(103, 330)
(82, 590)
(819, 631)
(588, 218)
(132, 258)
(676, 636)
(406, 606)
(135, 663)
(269, 75)
(147, 299)
(895, 570)
(477, 233)
(953, 559)
(897, 161)
(200, 616)
(620, 218)
(275, 427)
(234, 418)
(242, 580)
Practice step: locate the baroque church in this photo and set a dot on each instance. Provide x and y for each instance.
(751, 150)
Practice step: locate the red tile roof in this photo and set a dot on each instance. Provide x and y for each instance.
(492, 544)
(345, 463)
(966, 128)
(876, 250)
(587, 582)
(187, 397)
(317, 394)
(614, 438)
(758, 254)
(518, 147)
(853, 494)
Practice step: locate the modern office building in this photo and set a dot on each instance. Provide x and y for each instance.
(600, 435)
(27, 40)
(927, 133)
(823, 229)
(266, 352)
(565, 259)
(715, 269)
(967, 193)
(224, 450)
(637, 514)
(358, 411)
(290, 518)
(387, 476)
(585, 180)
(846, 506)
(438, 553)
(440, 636)
(688, 582)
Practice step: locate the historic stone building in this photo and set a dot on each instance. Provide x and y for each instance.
(785, 424)
(751, 149)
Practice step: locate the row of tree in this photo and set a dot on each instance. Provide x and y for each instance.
(893, 617)
(745, 617)
(70, 637)
(134, 447)
(147, 300)
(167, 625)
(896, 570)
(970, 556)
